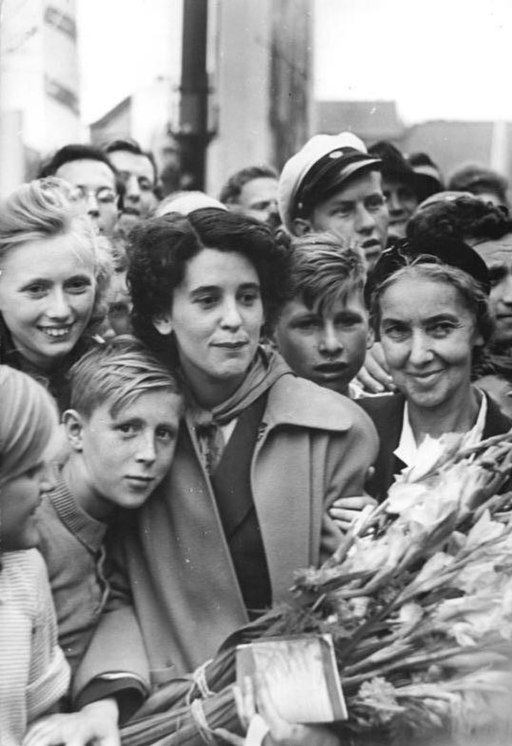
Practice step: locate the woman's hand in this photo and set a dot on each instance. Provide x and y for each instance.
(374, 376)
(345, 510)
(94, 724)
(267, 727)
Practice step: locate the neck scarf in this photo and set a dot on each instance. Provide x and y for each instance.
(265, 370)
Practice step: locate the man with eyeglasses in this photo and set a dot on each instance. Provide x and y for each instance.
(95, 181)
(138, 172)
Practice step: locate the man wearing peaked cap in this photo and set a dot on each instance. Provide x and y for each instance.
(333, 184)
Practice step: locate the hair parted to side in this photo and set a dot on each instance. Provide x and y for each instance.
(325, 271)
(162, 247)
(428, 268)
(29, 419)
(232, 189)
(117, 372)
(42, 209)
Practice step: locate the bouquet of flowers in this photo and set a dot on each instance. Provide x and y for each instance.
(418, 600)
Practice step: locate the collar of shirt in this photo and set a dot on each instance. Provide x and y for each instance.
(407, 447)
(87, 529)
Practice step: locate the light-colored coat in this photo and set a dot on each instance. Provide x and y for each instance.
(313, 447)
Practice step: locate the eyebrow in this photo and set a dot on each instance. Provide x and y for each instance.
(214, 288)
(429, 320)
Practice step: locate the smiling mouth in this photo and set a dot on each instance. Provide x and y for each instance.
(56, 332)
(425, 376)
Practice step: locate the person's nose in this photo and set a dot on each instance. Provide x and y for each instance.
(231, 317)
(506, 286)
(420, 351)
(146, 451)
(365, 221)
(47, 479)
(133, 189)
(58, 307)
(329, 342)
(394, 203)
(92, 205)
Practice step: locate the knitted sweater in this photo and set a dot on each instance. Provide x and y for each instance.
(34, 674)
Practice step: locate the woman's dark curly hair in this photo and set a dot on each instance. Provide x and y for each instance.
(466, 217)
(161, 247)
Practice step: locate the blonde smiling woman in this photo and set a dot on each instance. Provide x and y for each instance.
(53, 279)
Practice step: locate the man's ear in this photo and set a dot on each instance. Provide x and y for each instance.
(163, 324)
(301, 226)
(74, 428)
(370, 338)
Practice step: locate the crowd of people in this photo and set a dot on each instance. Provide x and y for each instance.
(200, 395)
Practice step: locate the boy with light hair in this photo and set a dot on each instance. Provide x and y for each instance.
(121, 430)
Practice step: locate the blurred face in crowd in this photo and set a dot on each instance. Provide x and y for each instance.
(401, 202)
(215, 317)
(137, 173)
(19, 499)
(95, 188)
(497, 254)
(47, 294)
(428, 336)
(357, 213)
(258, 200)
(328, 348)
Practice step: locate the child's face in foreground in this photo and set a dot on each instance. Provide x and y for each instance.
(328, 349)
(127, 455)
(19, 499)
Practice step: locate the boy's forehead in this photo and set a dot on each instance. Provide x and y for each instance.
(159, 401)
(328, 305)
(351, 300)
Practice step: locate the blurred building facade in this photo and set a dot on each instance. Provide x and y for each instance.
(258, 88)
(449, 143)
(39, 83)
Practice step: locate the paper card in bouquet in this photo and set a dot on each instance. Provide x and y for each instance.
(300, 673)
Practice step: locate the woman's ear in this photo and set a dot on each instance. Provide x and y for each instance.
(163, 324)
(370, 338)
(74, 427)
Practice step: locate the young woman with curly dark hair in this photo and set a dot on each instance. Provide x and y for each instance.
(260, 455)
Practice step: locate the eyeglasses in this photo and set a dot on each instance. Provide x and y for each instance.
(103, 195)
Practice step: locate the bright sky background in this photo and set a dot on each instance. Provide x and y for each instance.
(438, 59)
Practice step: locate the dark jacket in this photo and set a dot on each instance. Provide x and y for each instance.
(387, 415)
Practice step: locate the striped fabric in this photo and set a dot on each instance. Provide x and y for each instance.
(34, 674)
